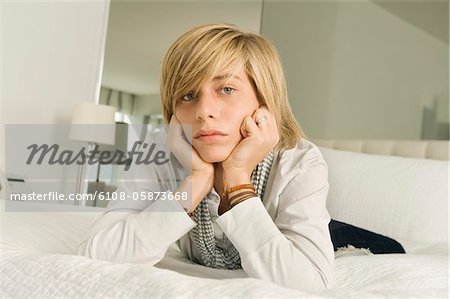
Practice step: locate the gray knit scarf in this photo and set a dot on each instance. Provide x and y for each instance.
(212, 255)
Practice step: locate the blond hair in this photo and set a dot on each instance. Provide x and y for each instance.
(204, 51)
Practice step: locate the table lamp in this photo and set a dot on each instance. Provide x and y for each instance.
(93, 124)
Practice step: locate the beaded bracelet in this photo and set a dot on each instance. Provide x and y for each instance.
(237, 196)
(238, 201)
(240, 187)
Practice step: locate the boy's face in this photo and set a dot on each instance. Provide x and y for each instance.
(213, 117)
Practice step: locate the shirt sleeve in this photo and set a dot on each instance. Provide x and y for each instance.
(294, 249)
(135, 236)
(143, 220)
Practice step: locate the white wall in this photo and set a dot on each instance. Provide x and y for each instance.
(355, 70)
(51, 59)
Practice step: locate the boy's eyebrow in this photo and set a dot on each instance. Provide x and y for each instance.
(225, 76)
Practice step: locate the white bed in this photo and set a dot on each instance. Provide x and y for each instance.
(38, 261)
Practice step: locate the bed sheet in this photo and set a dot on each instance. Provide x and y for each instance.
(37, 260)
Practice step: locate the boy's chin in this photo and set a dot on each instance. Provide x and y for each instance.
(214, 157)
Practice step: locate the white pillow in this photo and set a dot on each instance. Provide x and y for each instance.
(403, 198)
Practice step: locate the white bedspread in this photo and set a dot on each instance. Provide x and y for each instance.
(37, 262)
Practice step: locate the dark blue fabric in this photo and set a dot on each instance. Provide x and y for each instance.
(343, 234)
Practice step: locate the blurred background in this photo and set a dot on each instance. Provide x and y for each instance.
(360, 69)
(367, 69)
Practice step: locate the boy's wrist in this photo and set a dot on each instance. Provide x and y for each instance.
(234, 177)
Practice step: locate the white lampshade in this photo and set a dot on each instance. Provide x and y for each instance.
(93, 123)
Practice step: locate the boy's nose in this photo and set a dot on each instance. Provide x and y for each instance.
(207, 107)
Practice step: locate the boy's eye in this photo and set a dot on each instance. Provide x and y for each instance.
(188, 97)
(228, 90)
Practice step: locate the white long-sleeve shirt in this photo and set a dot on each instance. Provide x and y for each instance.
(283, 238)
